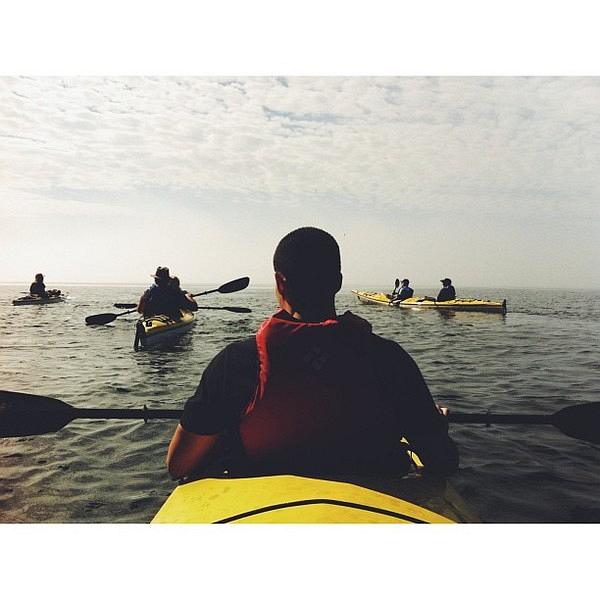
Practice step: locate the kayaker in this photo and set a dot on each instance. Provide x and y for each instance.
(405, 291)
(447, 292)
(160, 298)
(38, 287)
(312, 392)
(186, 300)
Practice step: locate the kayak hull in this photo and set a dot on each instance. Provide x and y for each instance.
(295, 499)
(29, 301)
(158, 328)
(460, 304)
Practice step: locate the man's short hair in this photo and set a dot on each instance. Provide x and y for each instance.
(309, 258)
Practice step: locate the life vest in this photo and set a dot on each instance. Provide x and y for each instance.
(317, 403)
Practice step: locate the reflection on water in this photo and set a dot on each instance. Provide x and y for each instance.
(541, 356)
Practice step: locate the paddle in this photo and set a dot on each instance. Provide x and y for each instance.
(29, 414)
(235, 309)
(232, 286)
(104, 318)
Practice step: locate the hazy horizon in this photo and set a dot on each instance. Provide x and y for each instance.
(492, 181)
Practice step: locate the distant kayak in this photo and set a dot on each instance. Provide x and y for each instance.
(150, 330)
(462, 304)
(33, 300)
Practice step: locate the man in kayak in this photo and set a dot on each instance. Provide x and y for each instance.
(447, 292)
(405, 291)
(186, 300)
(38, 288)
(160, 298)
(313, 391)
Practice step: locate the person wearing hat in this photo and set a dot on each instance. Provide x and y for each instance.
(447, 292)
(405, 291)
(160, 298)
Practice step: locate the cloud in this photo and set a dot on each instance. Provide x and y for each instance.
(389, 140)
(475, 150)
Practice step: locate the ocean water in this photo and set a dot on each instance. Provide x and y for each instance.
(541, 356)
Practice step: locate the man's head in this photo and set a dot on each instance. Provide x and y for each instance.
(162, 277)
(39, 277)
(307, 268)
(446, 281)
(405, 282)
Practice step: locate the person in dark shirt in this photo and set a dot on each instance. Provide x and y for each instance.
(160, 298)
(405, 291)
(447, 292)
(38, 287)
(313, 392)
(186, 301)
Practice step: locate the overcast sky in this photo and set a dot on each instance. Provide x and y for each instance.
(493, 182)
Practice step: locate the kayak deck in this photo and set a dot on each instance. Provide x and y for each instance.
(33, 301)
(465, 304)
(159, 327)
(462, 304)
(296, 499)
(373, 298)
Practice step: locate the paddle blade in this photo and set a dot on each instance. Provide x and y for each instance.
(234, 286)
(101, 319)
(237, 309)
(122, 305)
(28, 414)
(581, 421)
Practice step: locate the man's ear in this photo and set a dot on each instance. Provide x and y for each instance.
(281, 283)
(339, 283)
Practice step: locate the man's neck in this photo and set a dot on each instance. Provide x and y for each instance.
(314, 314)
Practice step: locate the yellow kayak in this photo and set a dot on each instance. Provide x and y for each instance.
(150, 330)
(295, 499)
(414, 498)
(463, 304)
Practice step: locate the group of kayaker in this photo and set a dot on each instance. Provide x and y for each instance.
(165, 297)
(313, 392)
(403, 291)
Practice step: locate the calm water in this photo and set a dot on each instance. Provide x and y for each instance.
(543, 355)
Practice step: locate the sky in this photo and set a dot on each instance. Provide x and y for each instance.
(491, 181)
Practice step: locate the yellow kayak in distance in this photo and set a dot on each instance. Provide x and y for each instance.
(462, 304)
(303, 500)
(150, 330)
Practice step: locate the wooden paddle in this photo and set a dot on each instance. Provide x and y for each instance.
(29, 414)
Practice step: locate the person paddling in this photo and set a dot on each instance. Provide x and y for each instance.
(405, 291)
(313, 391)
(160, 298)
(447, 292)
(38, 288)
(186, 301)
